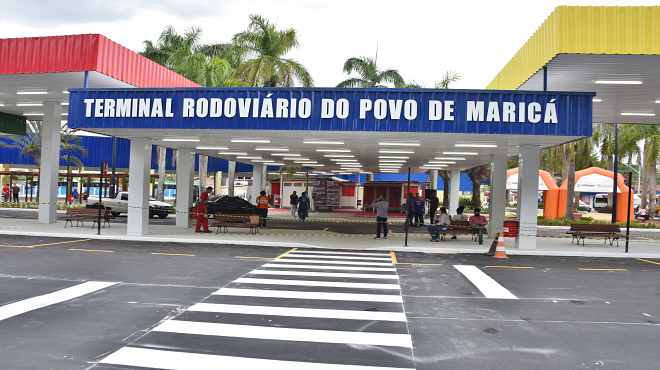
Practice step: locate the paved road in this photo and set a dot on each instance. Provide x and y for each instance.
(81, 304)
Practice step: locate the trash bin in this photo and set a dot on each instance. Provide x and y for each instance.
(511, 228)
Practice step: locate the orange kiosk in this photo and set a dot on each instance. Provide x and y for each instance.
(598, 180)
(546, 184)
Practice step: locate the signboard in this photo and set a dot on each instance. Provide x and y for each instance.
(595, 183)
(512, 183)
(330, 109)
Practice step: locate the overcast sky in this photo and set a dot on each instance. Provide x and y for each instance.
(421, 39)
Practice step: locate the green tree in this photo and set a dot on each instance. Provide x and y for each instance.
(368, 74)
(185, 54)
(477, 175)
(265, 46)
(447, 79)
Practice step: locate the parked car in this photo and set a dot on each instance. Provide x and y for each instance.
(119, 205)
(230, 205)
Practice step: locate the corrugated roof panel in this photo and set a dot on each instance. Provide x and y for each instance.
(89, 52)
(617, 30)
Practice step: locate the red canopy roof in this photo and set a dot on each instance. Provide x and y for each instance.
(90, 52)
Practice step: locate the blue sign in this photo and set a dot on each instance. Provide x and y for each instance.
(330, 109)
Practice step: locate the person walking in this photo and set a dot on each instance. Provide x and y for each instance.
(75, 195)
(14, 192)
(434, 202)
(381, 206)
(419, 211)
(293, 203)
(262, 206)
(202, 224)
(303, 206)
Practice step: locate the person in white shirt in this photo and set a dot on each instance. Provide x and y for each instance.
(381, 206)
(441, 225)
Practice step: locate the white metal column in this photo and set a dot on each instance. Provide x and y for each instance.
(257, 184)
(454, 190)
(231, 177)
(185, 166)
(203, 171)
(433, 174)
(528, 187)
(497, 194)
(49, 162)
(138, 187)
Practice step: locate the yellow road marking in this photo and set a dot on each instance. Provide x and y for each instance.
(508, 267)
(56, 243)
(393, 256)
(173, 254)
(44, 244)
(649, 261)
(600, 269)
(91, 250)
(285, 253)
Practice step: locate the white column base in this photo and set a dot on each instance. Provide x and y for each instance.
(454, 190)
(528, 185)
(185, 166)
(137, 222)
(497, 194)
(50, 162)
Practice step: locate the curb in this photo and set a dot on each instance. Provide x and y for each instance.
(285, 244)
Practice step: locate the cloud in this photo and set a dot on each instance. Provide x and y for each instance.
(41, 14)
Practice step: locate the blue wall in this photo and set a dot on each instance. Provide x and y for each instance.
(98, 149)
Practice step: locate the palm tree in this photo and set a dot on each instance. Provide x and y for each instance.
(369, 75)
(447, 79)
(266, 46)
(183, 53)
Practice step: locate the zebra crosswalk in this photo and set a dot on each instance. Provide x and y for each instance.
(309, 309)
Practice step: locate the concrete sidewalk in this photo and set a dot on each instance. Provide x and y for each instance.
(324, 239)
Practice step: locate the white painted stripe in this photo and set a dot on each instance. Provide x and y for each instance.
(320, 313)
(304, 255)
(173, 360)
(326, 262)
(287, 334)
(384, 254)
(58, 296)
(317, 267)
(325, 274)
(309, 295)
(337, 284)
(489, 287)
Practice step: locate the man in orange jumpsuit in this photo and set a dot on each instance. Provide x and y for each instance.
(202, 220)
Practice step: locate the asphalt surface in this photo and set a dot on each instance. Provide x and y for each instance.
(308, 308)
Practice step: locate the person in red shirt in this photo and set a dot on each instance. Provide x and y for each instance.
(5, 193)
(262, 205)
(202, 224)
(478, 223)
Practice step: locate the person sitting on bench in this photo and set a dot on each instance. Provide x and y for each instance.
(439, 225)
(478, 223)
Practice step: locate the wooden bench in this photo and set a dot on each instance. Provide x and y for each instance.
(464, 227)
(608, 232)
(223, 222)
(80, 215)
